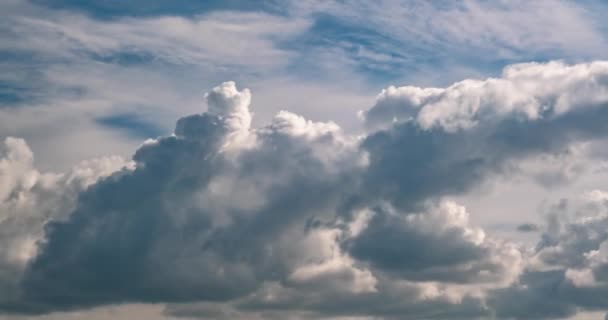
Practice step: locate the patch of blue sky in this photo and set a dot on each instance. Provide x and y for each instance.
(378, 57)
(125, 57)
(107, 9)
(373, 52)
(21, 79)
(11, 95)
(132, 124)
(408, 44)
(383, 59)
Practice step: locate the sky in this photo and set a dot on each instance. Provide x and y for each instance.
(305, 159)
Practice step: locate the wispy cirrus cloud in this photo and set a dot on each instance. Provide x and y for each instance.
(414, 36)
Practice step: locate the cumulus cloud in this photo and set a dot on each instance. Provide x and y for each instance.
(529, 91)
(29, 199)
(437, 245)
(236, 215)
(567, 270)
(227, 220)
(458, 135)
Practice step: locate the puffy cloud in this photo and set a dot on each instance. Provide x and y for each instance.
(297, 217)
(567, 270)
(528, 91)
(437, 245)
(317, 289)
(232, 109)
(236, 214)
(452, 139)
(29, 199)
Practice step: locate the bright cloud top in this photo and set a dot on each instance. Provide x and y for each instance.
(531, 91)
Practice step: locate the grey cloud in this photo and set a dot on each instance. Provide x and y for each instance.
(437, 245)
(566, 272)
(208, 39)
(393, 300)
(472, 130)
(28, 199)
(538, 300)
(527, 227)
(524, 91)
(203, 216)
(297, 215)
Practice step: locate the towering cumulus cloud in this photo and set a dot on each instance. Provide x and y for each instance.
(297, 219)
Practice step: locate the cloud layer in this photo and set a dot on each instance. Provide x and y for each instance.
(226, 220)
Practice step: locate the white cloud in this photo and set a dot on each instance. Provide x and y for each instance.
(567, 269)
(29, 199)
(450, 31)
(225, 38)
(299, 215)
(530, 90)
(263, 213)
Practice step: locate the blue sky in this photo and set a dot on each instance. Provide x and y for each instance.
(446, 124)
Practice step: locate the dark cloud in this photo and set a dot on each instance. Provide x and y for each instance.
(441, 141)
(296, 216)
(538, 301)
(437, 245)
(28, 199)
(195, 220)
(566, 273)
(528, 227)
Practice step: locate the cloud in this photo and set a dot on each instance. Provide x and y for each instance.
(247, 38)
(75, 67)
(438, 245)
(236, 216)
(211, 188)
(65, 71)
(29, 199)
(417, 40)
(567, 270)
(457, 136)
(529, 91)
(233, 220)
